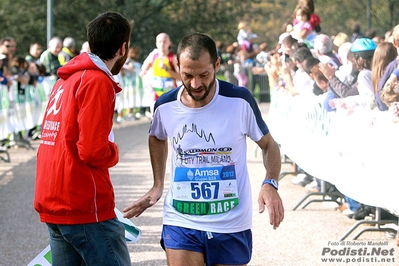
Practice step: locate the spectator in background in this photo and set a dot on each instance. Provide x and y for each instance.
(307, 65)
(338, 40)
(220, 50)
(7, 48)
(286, 30)
(314, 19)
(365, 59)
(33, 60)
(273, 69)
(322, 83)
(356, 32)
(49, 58)
(362, 92)
(85, 47)
(240, 68)
(68, 50)
(245, 60)
(259, 71)
(345, 56)
(19, 72)
(229, 58)
(249, 51)
(323, 46)
(370, 33)
(390, 92)
(388, 36)
(163, 64)
(21, 78)
(246, 39)
(288, 48)
(388, 70)
(302, 30)
(384, 54)
(300, 83)
(13, 47)
(3, 79)
(244, 31)
(287, 51)
(378, 39)
(261, 57)
(133, 68)
(35, 50)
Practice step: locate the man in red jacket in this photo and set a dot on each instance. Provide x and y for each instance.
(74, 195)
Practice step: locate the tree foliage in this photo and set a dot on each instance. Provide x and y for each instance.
(26, 20)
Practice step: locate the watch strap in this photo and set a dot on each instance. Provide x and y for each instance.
(272, 182)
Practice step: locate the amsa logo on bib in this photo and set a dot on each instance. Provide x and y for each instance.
(205, 174)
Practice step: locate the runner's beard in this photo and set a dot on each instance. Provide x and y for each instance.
(207, 90)
(119, 64)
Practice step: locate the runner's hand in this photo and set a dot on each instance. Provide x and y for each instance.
(269, 196)
(139, 206)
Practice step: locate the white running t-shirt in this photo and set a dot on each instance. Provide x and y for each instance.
(209, 183)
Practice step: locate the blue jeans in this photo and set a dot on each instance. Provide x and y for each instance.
(100, 243)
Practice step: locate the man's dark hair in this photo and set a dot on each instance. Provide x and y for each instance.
(309, 63)
(196, 43)
(290, 41)
(370, 33)
(106, 33)
(302, 53)
(355, 28)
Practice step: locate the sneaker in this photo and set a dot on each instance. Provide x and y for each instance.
(298, 179)
(390, 234)
(302, 179)
(348, 213)
(308, 179)
(129, 117)
(312, 186)
(118, 119)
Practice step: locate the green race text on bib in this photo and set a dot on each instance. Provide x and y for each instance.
(205, 191)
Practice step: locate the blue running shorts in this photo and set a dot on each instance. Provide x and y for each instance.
(218, 248)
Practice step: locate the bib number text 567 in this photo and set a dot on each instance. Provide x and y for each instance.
(205, 190)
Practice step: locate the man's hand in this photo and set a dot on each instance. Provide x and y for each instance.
(327, 69)
(146, 201)
(269, 196)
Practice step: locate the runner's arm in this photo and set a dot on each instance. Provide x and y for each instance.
(158, 154)
(268, 195)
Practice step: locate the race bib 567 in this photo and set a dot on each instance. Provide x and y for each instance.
(205, 191)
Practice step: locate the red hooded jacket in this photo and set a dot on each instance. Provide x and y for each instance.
(73, 184)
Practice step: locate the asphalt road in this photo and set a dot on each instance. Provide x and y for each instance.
(300, 240)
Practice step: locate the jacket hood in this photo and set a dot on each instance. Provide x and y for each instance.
(83, 62)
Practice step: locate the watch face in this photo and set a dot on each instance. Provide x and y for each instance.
(271, 182)
(274, 182)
